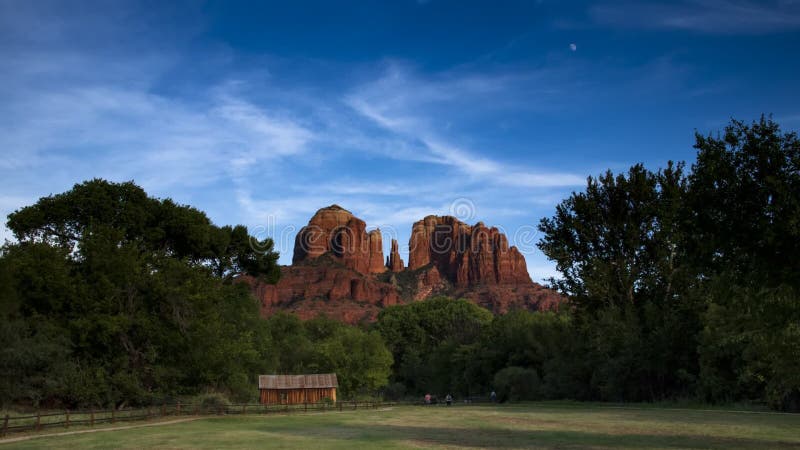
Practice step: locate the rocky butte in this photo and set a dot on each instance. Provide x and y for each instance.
(338, 269)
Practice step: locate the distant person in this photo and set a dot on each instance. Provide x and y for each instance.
(493, 397)
(427, 399)
(448, 400)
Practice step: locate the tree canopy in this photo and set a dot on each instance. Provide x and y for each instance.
(687, 283)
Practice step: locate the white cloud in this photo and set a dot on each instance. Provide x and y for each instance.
(123, 133)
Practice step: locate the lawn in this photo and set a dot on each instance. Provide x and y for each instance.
(544, 425)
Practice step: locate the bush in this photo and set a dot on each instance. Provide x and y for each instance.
(212, 402)
(517, 383)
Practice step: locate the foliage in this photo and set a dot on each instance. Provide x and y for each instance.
(621, 249)
(359, 358)
(428, 341)
(516, 383)
(111, 296)
(687, 284)
(745, 208)
(212, 402)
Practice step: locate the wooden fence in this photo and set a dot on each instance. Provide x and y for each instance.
(66, 419)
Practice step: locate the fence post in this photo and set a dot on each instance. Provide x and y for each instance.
(91, 418)
(305, 407)
(38, 420)
(5, 425)
(355, 405)
(163, 409)
(113, 415)
(244, 409)
(66, 412)
(340, 406)
(178, 411)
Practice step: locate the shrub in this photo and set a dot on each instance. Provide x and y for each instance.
(212, 402)
(517, 383)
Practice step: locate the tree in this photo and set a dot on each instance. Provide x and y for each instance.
(429, 341)
(745, 215)
(620, 248)
(744, 204)
(123, 214)
(359, 358)
(544, 343)
(132, 295)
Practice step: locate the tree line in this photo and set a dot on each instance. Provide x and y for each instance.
(681, 283)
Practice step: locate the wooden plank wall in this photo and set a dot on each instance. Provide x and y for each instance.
(296, 396)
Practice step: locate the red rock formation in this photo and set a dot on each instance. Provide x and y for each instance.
(466, 256)
(336, 231)
(429, 282)
(324, 287)
(375, 251)
(394, 263)
(502, 298)
(336, 264)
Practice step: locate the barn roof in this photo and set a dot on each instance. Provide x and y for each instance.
(320, 380)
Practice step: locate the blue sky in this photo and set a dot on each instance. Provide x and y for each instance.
(260, 113)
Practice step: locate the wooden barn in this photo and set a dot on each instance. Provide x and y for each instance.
(297, 389)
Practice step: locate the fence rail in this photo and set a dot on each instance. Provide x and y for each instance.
(66, 419)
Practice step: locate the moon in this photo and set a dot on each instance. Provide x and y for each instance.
(573, 47)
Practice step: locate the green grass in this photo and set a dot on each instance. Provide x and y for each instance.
(540, 425)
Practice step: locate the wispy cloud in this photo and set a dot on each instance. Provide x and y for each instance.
(147, 136)
(706, 16)
(404, 105)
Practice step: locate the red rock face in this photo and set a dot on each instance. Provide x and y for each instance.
(335, 231)
(336, 269)
(466, 255)
(375, 251)
(394, 263)
(309, 290)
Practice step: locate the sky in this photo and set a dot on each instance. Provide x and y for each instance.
(260, 113)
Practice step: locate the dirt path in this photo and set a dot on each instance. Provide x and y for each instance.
(96, 430)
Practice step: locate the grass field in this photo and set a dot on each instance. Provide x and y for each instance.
(545, 425)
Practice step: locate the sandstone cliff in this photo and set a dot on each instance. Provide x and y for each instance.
(336, 231)
(466, 255)
(394, 263)
(338, 269)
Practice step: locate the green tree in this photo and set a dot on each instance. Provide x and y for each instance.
(430, 342)
(135, 296)
(543, 342)
(620, 247)
(745, 219)
(320, 345)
